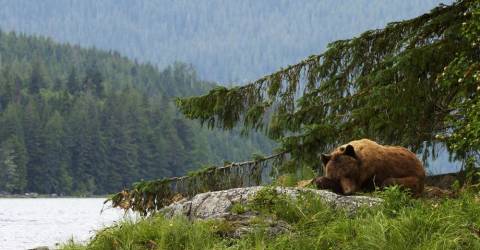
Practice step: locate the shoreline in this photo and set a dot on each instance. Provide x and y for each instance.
(50, 196)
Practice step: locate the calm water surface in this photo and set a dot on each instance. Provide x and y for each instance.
(27, 223)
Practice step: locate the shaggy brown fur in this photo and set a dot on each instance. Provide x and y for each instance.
(363, 165)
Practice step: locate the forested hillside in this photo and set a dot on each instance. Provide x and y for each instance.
(225, 40)
(83, 121)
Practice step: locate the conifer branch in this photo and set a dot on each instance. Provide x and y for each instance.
(149, 196)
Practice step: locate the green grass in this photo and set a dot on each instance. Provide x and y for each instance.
(399, 223)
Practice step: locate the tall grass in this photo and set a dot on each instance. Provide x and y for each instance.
(399, 223)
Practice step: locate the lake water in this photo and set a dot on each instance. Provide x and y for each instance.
(27, 223)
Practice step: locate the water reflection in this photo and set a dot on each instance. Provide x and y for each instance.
(26, 223)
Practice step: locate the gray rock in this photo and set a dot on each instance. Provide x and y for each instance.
(217, 205)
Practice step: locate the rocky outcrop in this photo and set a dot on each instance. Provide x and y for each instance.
(217, 205)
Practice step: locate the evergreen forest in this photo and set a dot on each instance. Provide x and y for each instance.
(80, 121)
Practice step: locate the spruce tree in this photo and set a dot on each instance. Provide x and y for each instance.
(413, 83)
(56, 156)
(37, 77)
(34, 143)
(73, 84)
(13, 160)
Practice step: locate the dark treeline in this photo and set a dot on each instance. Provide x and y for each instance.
(83, 121)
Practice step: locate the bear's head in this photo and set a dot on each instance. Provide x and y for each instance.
(343, 166)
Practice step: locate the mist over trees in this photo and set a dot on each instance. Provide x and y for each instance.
(224, 40)
(83, 121)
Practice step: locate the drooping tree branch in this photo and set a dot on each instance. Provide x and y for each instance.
(149, 196)
(382, 84)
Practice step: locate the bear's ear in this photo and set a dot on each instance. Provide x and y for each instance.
(325, 159)
(350, 151)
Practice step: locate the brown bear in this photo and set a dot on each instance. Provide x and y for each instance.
(362, 165)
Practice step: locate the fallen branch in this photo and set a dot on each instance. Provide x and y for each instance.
(149, 196)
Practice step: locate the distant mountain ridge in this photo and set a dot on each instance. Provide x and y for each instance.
(226, 41)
